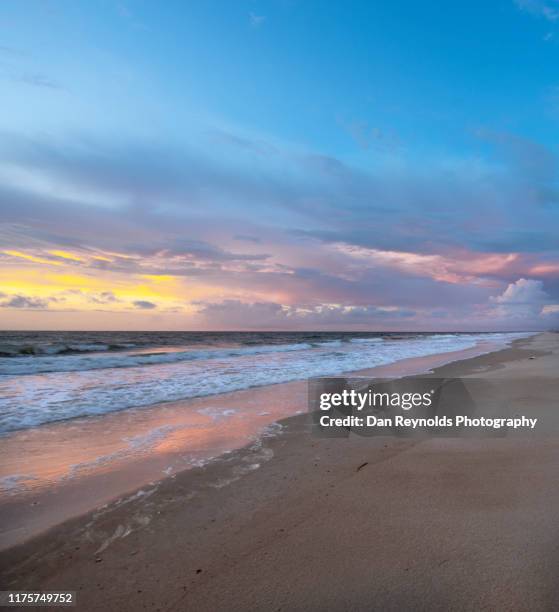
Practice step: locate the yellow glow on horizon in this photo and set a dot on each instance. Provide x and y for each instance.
(70, 291)
(34, 281)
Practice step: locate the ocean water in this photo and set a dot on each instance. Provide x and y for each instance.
(54, 376)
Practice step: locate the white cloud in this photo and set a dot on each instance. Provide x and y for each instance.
(523, 291)
(525, 298)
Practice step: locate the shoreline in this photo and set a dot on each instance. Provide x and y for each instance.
(197, 541)
(105, 472)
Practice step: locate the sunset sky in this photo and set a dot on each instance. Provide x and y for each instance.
(279, 164)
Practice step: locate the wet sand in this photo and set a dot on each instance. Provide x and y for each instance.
(294, 522)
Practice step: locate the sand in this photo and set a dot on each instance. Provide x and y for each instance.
(304, 523)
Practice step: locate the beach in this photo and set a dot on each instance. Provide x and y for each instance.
(297, 522)
(279, 306)
(75, 434)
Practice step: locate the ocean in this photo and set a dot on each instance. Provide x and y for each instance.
(56, 376)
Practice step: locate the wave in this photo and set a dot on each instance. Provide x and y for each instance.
(39, 398)
(93, 354)
(79, 363)
(28, 350)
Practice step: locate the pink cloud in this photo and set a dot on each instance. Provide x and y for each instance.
(453, 268)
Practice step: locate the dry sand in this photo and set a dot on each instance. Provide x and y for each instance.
(302, 523)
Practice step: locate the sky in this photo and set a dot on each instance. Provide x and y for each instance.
(279, 164)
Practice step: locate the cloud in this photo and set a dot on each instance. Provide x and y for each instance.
(524, 299)
(11, 51)
(550, 309)
(451, 268)
(200, 250)
(124, 11)
(256, 20)
(293, 228)
(246, 238)
(34, 79)
(368, 137)
(270, 315)
(523, 292)
(532, 159)
(548, 9)
(144, 305)
(258, 147)
(127, 15)
(235, 314)
(22, 301)
(106, 297)
(320, 196)
(38, 80)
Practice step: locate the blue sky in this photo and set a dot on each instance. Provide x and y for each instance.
(430, 73)
(387, 164)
